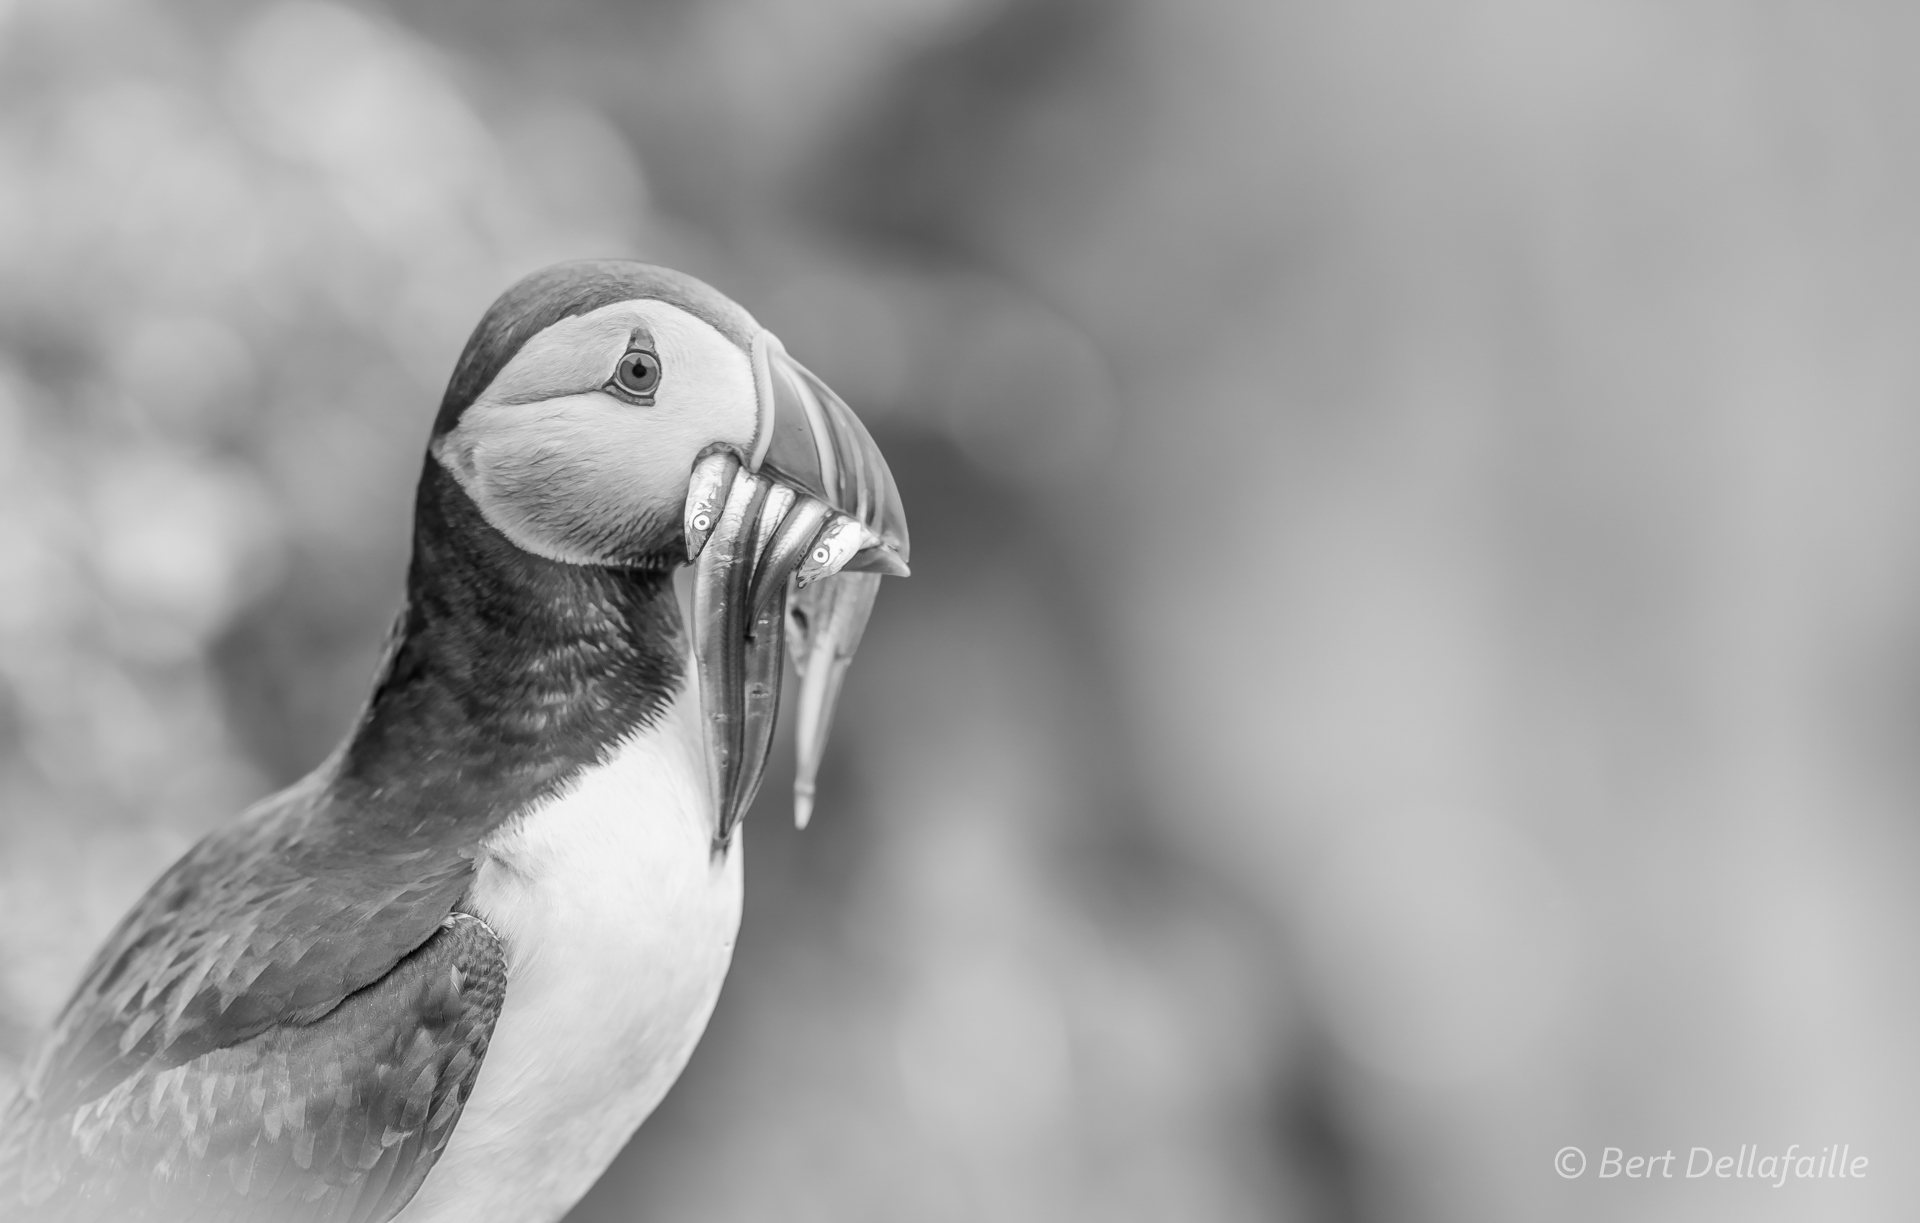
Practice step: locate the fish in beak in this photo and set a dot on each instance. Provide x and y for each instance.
(789, 544)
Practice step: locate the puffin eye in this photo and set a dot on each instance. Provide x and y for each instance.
(638, 373)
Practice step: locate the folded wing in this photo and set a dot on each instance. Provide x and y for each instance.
(334, 1121)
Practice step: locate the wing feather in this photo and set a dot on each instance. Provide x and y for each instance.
(335, 1121)
(263, 923)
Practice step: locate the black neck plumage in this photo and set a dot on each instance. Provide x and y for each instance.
(511, 675)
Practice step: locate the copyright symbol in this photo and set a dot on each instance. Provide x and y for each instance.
(1570, 1162)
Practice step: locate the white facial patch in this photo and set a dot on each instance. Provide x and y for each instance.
(575, 354)
(573, 472)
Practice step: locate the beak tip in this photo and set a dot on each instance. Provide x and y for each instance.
(882, 558)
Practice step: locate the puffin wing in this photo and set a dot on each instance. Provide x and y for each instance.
(334, 1121)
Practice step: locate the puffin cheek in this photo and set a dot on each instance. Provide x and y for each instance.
(642, 470)
(532, 495)
(623, 518)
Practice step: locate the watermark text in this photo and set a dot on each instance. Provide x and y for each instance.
(1837, 1161)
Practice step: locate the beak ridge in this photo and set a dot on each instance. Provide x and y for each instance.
(815, 443)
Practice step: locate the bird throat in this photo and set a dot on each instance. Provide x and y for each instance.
(509, 675)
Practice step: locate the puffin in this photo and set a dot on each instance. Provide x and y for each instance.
(444, 977)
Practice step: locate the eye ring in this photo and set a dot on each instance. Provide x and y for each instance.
(637, 374)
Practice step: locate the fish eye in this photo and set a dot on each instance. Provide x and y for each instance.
(637, 374)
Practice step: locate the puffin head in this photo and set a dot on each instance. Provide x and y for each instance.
(612, 413)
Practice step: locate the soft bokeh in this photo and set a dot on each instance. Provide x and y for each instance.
(1413, 660)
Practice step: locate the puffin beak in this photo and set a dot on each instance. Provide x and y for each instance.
(789, 544)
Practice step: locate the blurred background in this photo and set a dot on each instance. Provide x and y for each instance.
(1413, 660)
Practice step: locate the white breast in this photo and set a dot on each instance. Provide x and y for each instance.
(619, 926)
